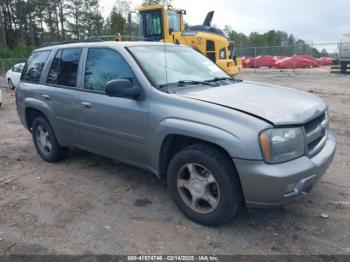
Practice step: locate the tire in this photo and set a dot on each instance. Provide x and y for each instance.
(343, 68)
(226, 190)
(47, 147)
(11, 85)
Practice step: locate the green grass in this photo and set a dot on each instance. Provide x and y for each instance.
(21, 51)
(10, 57)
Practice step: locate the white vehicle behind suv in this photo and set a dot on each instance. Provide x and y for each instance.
(14, 74)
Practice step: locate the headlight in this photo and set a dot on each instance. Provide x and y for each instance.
(281, 144)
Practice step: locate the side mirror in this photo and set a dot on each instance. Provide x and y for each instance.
(122, 88)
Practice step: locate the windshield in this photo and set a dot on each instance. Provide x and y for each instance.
(171, 64)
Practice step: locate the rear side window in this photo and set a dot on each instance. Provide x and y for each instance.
(64, 67)
(35, 66)
(103, 65)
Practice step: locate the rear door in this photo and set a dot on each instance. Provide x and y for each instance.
(61, 93)
(31, 85)
(110, 126)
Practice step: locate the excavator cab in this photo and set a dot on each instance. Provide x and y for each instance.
(160, 23)
(165, 23)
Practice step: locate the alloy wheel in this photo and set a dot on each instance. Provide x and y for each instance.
(198, 188)
(43, 139)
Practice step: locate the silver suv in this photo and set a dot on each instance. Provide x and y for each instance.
(218, 141)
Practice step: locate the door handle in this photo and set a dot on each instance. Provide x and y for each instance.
(86, 105)
(46, 97)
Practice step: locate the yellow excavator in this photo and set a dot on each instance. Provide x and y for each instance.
(165, 23)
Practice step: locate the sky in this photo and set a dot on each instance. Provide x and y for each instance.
(315, 21)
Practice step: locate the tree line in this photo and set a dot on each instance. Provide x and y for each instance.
(32, 22)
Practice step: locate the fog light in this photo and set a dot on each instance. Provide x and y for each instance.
(290, 188)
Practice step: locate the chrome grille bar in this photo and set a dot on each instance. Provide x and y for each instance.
(316, 132)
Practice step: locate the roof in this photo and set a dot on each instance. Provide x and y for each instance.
(104, 44)
(150, 7)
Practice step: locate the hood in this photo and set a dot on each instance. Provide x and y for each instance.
(276, 104)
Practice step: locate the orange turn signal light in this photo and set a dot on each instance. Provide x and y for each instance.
(265, 146)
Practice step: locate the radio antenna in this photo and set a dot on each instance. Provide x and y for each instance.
(166, 64)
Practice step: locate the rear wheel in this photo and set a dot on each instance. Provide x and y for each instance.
(45, 141)
(204, 185)
(11, 85)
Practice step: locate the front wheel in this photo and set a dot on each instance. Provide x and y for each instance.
(11, 85)
(204, 185)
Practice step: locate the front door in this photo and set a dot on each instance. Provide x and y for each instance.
(111, 126)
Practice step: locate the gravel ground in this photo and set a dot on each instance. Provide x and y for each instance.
(91, 205)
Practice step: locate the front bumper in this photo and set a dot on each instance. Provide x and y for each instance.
(269, 185)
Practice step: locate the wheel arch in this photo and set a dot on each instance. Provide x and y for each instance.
(34, 108)
(173, 143)
(30, 114)
(175, 134)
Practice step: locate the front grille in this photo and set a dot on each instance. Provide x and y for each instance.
(316, 132)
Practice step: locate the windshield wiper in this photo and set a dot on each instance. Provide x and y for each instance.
(163, 85)
(216, 79)
(192, 82)
(185, 82)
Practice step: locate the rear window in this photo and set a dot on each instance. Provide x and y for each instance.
(64, 67)
(35, 66)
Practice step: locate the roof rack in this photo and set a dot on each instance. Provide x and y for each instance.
(87, 40)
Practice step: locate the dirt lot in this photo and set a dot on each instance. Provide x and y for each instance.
(92, 205)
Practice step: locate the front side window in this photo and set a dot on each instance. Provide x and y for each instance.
(35, 66)
(174, 21)
(103, 65)
(167, 64)
(64, 67)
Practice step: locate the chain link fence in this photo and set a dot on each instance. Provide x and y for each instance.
(253, 52)
(287, 52)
